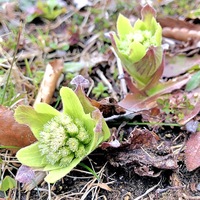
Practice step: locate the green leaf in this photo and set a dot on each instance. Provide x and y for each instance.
(90, 170)
(138, 51)
(57, 174)
(27, 115)
(8, 183)
(194, 82)
(73, 66)
(89, 108)
(158, 35)
(49, 167)
(46, 109)
(31, 156)
(71, 103)
(123, 26)
(147, 66)
(139, 25)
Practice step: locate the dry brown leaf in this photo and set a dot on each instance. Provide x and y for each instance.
(12, 133)
(108, 107)
(180, 64)
(192, 152)
(179, 29)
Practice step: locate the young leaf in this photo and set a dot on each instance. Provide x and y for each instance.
(123, 26)
(194, 82)
(7, 183)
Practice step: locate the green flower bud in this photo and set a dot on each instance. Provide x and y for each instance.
(72, 129)
(139, 47)
(65, 161)
(83, 136)
(80, 152)
(73, 144)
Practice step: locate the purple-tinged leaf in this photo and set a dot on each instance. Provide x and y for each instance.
(148, 12)
(25, 174)
(136, 103)
(97, 116)
(80, 81)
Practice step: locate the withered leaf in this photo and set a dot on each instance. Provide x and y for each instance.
(141, 138)
(108, 107)
(144, 153)
(12, 133)
(192, 152)
(143, 162)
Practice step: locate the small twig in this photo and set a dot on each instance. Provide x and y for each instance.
(104, 79)
(148, 191)
(49, 191)
(121, 74)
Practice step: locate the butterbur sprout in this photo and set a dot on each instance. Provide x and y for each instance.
(139, 47)
(63, 139)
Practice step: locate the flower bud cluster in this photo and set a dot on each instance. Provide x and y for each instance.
(144, 37)
(63, 139)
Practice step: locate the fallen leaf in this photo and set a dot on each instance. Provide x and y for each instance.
(144, 153)
(141, 138)
(108, 107)
(142, 161)
(192, 152)
(136, 103)
(12, 133)
(179, 29)
(177, 65)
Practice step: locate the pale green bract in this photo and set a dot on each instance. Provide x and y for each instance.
(139, 47)
(64, 139)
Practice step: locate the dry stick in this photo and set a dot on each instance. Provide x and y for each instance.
(106, 82)
(121, 74)
(104, 79)
(91, 184)
(148, 191)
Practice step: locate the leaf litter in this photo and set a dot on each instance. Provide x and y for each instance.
(154, 147)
